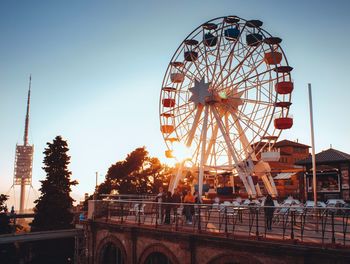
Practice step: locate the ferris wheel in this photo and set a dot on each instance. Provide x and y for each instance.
(226, 95)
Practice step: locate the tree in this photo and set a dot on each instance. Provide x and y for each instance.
(137, 174)
(5, 226)
(7, 251)
(53, 208)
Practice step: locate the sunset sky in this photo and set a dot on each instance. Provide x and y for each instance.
(97, 69)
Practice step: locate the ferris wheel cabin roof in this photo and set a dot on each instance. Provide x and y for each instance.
(167, 115)
(270, 138)
(254, 23)
(283, 69)
(209, 26)
(172, 139)
(273, 40)
(169, 89)
(191, 42)
(231, 19)
(283, 104)
(177, 64)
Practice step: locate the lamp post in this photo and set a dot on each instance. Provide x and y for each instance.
(313, 148)
(95, 193)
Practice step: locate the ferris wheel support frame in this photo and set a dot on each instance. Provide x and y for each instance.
(251, 191)
(194, 125)
(203, 150)
(175, 180)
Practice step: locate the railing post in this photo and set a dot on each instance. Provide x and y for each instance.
(139, 214)
(257, 223)
(122, 212)
(199, 218)
(108, 216)
(345, 224)
(157, 209)
(333, 235)
(225, 212)
(176, 218)
(292, 224)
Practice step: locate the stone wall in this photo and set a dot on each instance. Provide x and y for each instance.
(136, 243)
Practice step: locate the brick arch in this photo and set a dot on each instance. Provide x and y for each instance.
(158, 247)
(109, 239)
(240, 258)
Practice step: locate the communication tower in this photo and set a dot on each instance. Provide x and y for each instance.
(24, 159)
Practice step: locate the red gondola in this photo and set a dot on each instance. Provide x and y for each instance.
(167, 129)
(283, 122)
(168, 102)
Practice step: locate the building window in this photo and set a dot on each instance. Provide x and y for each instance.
(112, 254)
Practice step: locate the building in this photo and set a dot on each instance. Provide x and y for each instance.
(332, 174)
(287, 175)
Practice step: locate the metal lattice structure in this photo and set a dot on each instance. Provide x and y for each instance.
(23, 165)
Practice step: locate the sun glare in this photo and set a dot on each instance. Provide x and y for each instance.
(181, 152)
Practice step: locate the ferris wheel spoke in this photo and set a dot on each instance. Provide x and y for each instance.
(235, 68)
(242, 137)
(244, 76)
(192, 131)
(225, 136)
(203, 141)
(211, 142)
(231, 53)
(251, 77)
(188, 114)
(242, 53)
(205, 58)
(217, 57)
(227, 126)
(241, 170)
(252, 101)
(250, 124)
(178, 108)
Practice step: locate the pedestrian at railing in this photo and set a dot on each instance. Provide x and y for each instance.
(268, 210)
(160, 199)
(176, 199)
(168, 206)
(189, 200)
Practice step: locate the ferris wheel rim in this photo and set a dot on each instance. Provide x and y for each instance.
(175, 55)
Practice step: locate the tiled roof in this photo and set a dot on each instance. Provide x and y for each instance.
(286, 142)
(329, 155)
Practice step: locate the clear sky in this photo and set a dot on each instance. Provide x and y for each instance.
(97, 69)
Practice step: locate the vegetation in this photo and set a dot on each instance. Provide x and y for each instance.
(5, 226)
(53, 208)
(7, 251)
(137, 174)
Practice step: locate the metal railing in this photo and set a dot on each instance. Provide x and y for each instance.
(317, 226)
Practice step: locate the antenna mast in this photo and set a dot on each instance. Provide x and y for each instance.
(26, 126)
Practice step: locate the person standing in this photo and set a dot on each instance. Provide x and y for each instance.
(159, 199)
(176, 199)
(189, 201)
(269, 209)
(168, 206)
